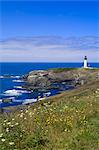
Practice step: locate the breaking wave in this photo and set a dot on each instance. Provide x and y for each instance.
(28, 101)
(18, 81)
(1, 77)
(0, 100)
(18, 87)
(14, 92)
(17, 77)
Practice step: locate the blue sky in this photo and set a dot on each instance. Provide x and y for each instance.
(30, 18)
(54, 29)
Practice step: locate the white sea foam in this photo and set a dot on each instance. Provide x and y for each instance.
(5, 76)
(47, 94)
(15, 92)
(17, 77)
(28, 101)
(12, 92)
(17, 100)
(18, 87)
(10, 76)
(18, 81)
(24, 91)
(41, 99)
(10, 98)
(0, 100)
(1, 77)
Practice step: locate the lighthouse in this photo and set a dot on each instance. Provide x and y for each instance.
(85, 62)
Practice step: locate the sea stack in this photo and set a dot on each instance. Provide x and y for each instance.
(85, 62)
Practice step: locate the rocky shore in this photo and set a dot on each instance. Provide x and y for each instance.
(55, 78)
(44, 83)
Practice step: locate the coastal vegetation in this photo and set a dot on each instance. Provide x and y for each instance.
(68, 121)
(56, 70)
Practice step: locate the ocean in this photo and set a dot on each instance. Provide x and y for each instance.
(10, 88)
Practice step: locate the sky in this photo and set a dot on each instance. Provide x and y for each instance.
(25, 21)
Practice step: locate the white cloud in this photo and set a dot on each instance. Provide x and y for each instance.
(49, 49)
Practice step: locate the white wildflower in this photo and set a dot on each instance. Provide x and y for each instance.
(11, 125)
(1, 134)
(21, 115)
(8, 123)
(21, 135)
(16, 123)
(5, 120)
(11, 143)
(26, 111)
(7, 129)
(3, 140)
(28, 106)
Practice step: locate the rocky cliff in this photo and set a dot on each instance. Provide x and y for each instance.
(46, 79)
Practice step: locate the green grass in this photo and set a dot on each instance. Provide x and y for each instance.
(58, 70)
(68, 121)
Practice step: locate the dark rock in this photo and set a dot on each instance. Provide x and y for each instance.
(45, 80)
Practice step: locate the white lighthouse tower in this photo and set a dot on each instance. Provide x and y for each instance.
(85, 62)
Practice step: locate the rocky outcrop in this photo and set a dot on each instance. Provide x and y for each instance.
(45, 79)
(39, 79)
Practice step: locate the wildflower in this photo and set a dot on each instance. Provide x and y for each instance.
(13, 119)
(23, 130)
(30, 113)
(7, 129)
(1, 134)
(39, 107)
(65, 130)
(65, 107)
(26, 111)
(11, 143)
(28, 106)
(16, 123)
(3, 140)
(21, 115)
(5, 120)
(8, 123)
(60, 119)
(34, 109)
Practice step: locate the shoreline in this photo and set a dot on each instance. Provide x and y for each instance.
(79, 81)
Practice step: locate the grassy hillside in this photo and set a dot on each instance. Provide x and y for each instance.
(68, 121)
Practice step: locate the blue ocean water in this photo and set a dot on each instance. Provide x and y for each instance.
(11, 87)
